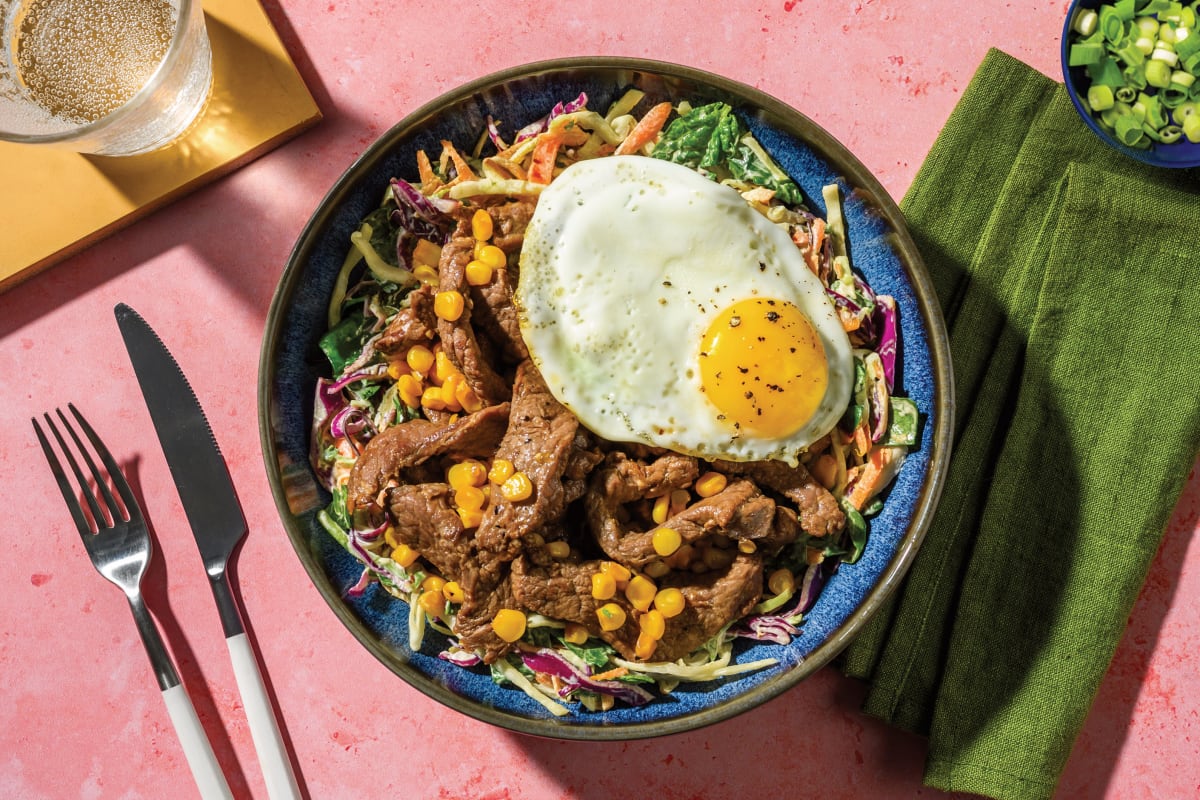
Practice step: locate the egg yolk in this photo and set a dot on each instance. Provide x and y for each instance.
(763, 366)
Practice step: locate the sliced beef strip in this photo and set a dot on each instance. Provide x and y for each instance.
(458, 337)
(414, 442)
(563, 590)
(424, 518)
(486, 594)
(739, 511)
(711, 601)
(819, 512)
(493, 313)
(510, 219)
(415, 324)
(539, 440)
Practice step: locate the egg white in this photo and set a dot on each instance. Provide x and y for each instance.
(625, 263)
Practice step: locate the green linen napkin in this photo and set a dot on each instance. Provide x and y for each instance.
(1067, 273)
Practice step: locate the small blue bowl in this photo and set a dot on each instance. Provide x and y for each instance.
(882, 250)
(1177, 155)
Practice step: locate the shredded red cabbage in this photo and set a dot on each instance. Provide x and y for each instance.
(463, 658)
(885, 311)
(560, 108)
(551, 663)
(377, 371)
(348, 421)
(417, 217)
(779, 627)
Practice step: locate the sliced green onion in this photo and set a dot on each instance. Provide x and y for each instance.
(1146, 26)
(1158, 73)
(1170, 134)
(1129, 130)
(1085, 22)
(1191, 128)
(1174, 94)
(1111, 24)
(1084, 54)
(1168, 57)
(1100, 98)
(1107, 73)
(1155, 6)
(1124, 9)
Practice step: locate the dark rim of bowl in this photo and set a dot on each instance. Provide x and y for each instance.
(796, 124)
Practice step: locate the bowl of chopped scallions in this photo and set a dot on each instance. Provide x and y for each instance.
(1132, 69)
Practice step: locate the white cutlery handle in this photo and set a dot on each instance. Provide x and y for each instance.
(264, 730)
(196, 747)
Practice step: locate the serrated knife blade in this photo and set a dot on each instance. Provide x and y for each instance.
(215, 516)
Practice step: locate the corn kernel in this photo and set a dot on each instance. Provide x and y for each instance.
(559, 549)
(453, 592)
(419, 358)
(471, 517)
(603, 586)
(716, 558)
(448, 305)
(658, 511)
(466, 473)
(427, 275)
(656, 568)
(681, 557)
(433, 583)
(405, 556)
(653, 623)
(389, 536)
(396, 369)
(619, 572)
(710, 483)
(470, 498)
(481, 225)
(449, 390)
(575, 633)
(669, 601)
(509, 624)
(679, 501)
(611, 616)
(813, 556)
(640, 592)
(666, 541)
(467, 398)
(410, 389)
(502, 469)
(781, 580)
(432, 601)
(431, 398)
(443, 367)
(517, 488)
(644, 647)
(479, 273)
(746, 546)
(492, 256)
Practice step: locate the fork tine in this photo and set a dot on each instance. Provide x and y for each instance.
(97, 475)
(132, 510)
(64, 484)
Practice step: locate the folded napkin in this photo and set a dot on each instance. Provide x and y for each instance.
(1067, 274)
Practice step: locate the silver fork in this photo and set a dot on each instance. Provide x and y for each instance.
(118, 542)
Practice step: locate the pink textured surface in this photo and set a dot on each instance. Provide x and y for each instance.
(80, 716)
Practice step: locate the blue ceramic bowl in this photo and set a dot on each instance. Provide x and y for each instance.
(881, 249)
(1180, 154)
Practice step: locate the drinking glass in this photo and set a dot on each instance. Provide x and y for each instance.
(108, 77)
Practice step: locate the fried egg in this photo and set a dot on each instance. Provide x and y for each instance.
(662, 309)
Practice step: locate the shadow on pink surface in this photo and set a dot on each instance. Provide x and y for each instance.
(156, 588)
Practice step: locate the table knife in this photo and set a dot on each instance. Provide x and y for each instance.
(215, 515)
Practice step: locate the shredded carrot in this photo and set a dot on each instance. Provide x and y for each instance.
(818, 245)
(875, 474)
(646, 129)
(612, 674)
(541, 170)
(429, 179)
(460, 164)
